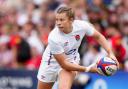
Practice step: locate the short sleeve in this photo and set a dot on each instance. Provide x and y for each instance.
(55, 47)
(88, 28)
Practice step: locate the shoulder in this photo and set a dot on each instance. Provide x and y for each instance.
(79, 21)
(53, 36)
(85, 26)
(82, 23)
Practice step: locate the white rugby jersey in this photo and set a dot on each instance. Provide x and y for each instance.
(59, 42)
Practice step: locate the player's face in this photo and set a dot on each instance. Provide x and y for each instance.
(63, 22)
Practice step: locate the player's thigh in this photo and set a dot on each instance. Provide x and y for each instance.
(66, 79)
(43, 85)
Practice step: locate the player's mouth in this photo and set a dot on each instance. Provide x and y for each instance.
(61, 27)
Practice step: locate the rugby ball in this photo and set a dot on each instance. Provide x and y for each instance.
(107, 66)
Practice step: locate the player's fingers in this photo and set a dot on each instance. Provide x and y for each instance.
(99, 72)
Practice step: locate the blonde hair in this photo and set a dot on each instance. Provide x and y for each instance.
(69, 12)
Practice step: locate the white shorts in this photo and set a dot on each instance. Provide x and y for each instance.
(49, 73)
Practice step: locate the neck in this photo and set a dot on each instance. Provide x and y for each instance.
(68, 30)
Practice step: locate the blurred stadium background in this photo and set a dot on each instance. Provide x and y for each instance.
(26, 24)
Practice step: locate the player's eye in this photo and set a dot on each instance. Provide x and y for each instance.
(61, 19)
(56, 19)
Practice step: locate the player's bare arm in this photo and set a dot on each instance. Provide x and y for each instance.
(103, 42)
(61, 59)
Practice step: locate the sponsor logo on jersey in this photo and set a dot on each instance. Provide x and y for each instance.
(73, 51)
(77, 37)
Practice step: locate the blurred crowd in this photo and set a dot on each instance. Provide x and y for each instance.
(26, 24)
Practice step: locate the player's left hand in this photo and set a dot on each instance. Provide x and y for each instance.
(112, 56)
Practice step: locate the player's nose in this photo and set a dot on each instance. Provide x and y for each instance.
(58, 24)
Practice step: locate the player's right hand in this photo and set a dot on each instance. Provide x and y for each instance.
(93, 68)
